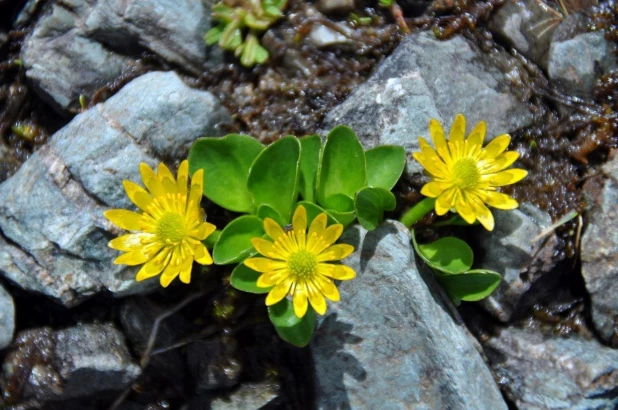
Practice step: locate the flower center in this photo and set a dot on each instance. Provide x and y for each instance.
(302, 263)
(171, 228)
(465, 173)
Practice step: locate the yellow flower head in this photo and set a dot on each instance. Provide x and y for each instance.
(465, 176)
(170, 226)
(295, 262)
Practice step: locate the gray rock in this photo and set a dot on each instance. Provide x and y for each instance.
(214, 364)
(577, 60)
(249, 396)
(335, 6)
(523, 264)
(527, 25)
(322, 36)
(390, 343)
(426, 78)
(82, 44)
(598, 251)
(74, 362)
(53, 234)
(7, 318)
(539, 372)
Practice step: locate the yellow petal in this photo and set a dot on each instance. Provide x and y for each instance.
(154, 266)
(496, 147)
(273, 229)
(137, 194)
(264, 264)
(124, 219)
(185, 271)
(299, 220)
(164, 172)
(474, 143)
(339, 272)
(508, 177)
(201, 254)
(197, 187)
(300, 302)
(147, 174)
(169, 186)
(169, 274)
(432, 190)
(182, 177)
(439, 141)
(465, 210)
(433, 165)
(332, 233)
(499, 200)
(458, 130)
(327, 288)
(446, 201)
(278, 293)
(131, 242)
(202, 231)
(139, 256)
(270, 279)
(155, 186)
(484, 215)
(267, 248)
(316, 299)
(335, 253)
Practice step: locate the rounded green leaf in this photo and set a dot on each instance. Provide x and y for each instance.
(342, 165)
(265, 211)
(449, 255)
(226, 162)
(314, 210)
(273, 177)
(234, 244)
(245, 279)
(470, 286)
(385, 165)
(370, 204)
(339, 203)
(214, 34)
(289, 327)
(309, 160)
(344, 218)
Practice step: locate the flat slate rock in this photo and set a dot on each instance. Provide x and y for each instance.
(552, 372)
(7, 318)
(53, 236)
(598, 251)
(426, 78)
(391, 343)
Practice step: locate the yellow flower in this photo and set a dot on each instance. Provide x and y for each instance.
(295, 265)
(466, 176)
(170, 225)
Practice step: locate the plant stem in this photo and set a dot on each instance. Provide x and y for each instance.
(414, 214)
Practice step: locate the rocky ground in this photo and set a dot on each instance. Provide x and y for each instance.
(91, 88)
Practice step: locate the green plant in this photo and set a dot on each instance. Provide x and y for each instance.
(240, 23)
(337, 178)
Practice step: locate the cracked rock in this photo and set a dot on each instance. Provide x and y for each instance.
(426, 78)
(392, 344)
(7, 318)
(53, 236)
(80, 45)
(598, 251)
(552, 372)
(74, 362)
(525, 266)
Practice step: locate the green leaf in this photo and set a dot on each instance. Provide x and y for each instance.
(449, 255)
(273, 177)
(342, 165)
(339, 203)
(289, 327)
(344, 218)
(309, 160)
(223, 13)
(314, 210)
(470, 286)
(370, 204)
(261, 54)
(234, 244)
(385, 165)
(245, 279)
(226, 162)
(231, 37)
(214, 34)
(265, 211)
